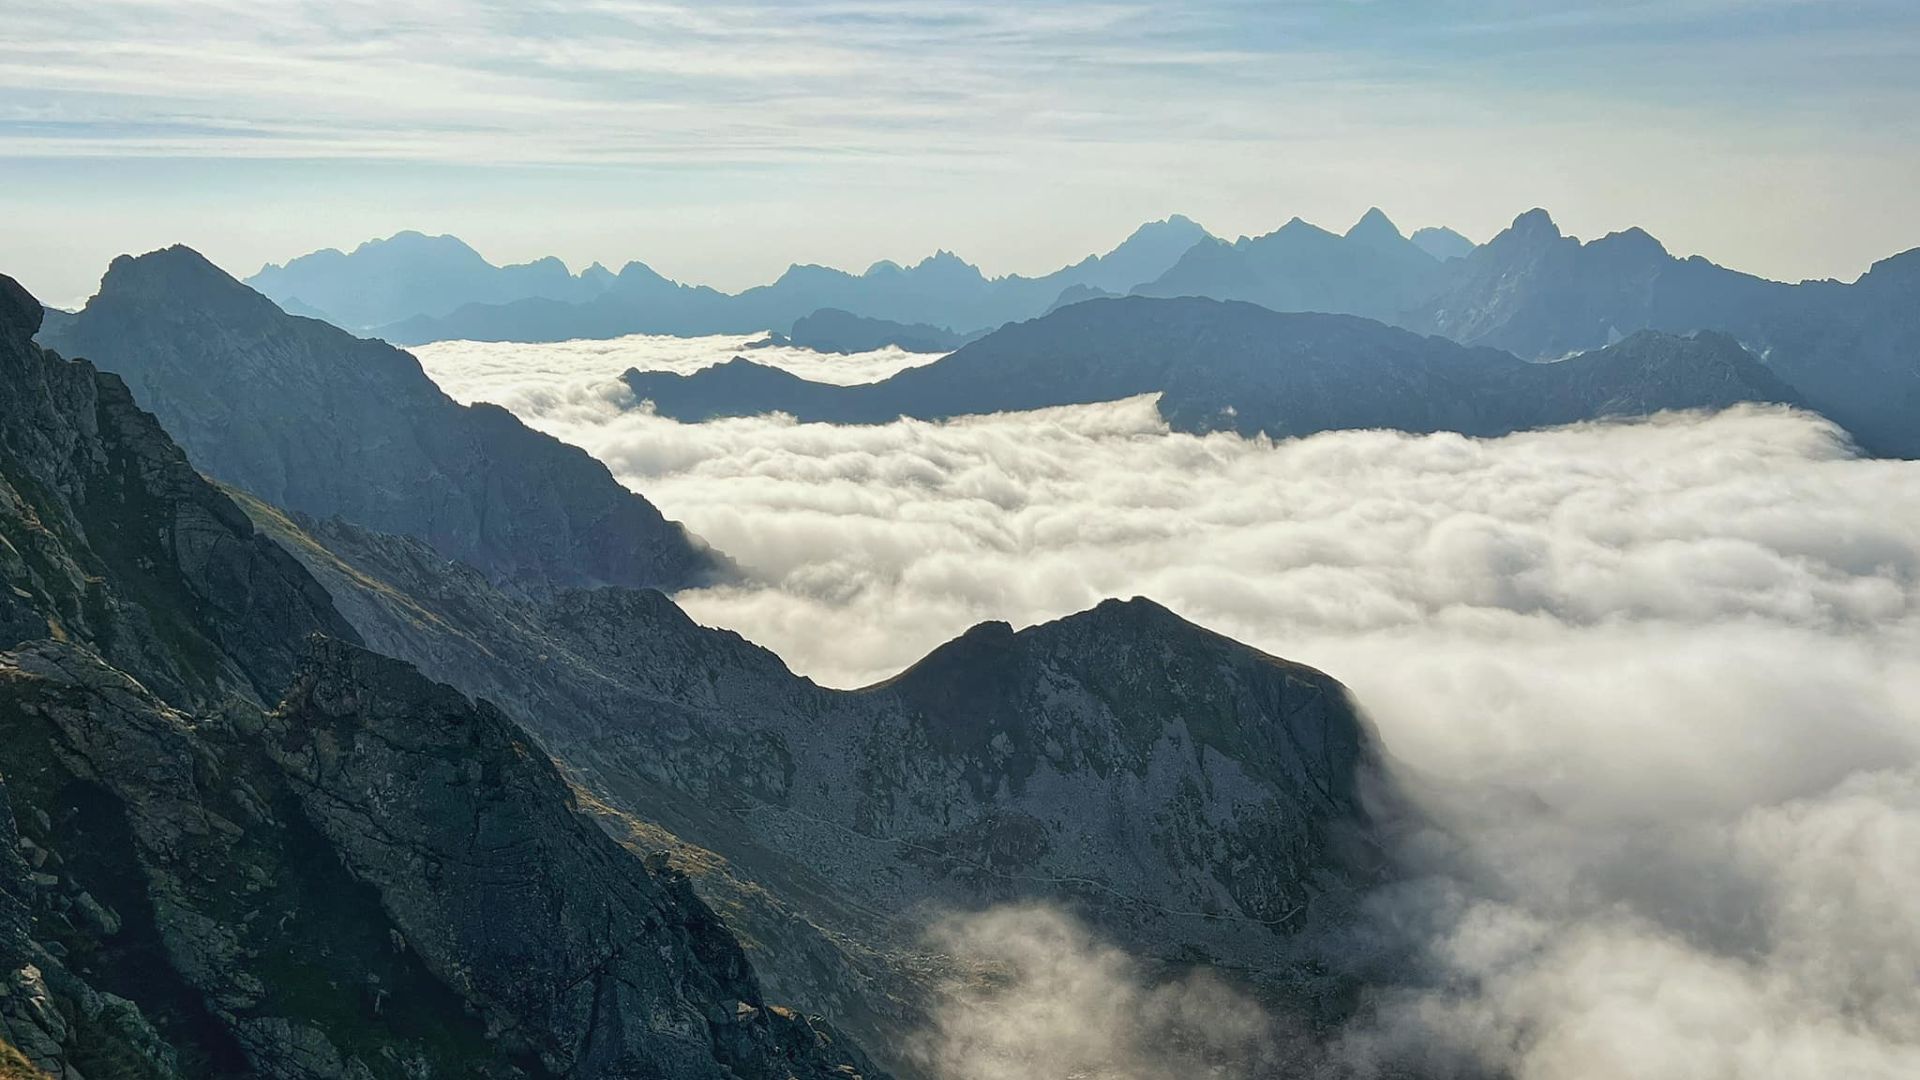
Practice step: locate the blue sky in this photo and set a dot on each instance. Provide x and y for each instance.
(720, 141)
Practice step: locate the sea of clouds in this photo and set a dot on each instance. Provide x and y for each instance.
(1657, 684)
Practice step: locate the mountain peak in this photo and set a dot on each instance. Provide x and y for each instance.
(1442, 243)
(1635, 241)
(1535, 222)
(179, 275)
(416, 240)
(1374, 225)
(943, 258)
(20, 313)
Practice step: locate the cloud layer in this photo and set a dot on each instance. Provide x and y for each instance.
(1025, 134)
(1657, 684)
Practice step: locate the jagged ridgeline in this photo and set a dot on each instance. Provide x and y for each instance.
(1194, 798)
(309, 417)
(235, 843)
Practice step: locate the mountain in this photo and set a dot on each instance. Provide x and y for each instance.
(1074, 294)
(1234, 366)
(831, 330)
(407, 274)
(942, 290)
(373, 879)
(1372, 270)
(1149, 252)
(1442, 243)
(1847, 349)
(310, 417)
(1194, 798)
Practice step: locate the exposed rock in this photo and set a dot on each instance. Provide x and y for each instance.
(1192, 796)
(108, 536)
(377, 881)
(312, 418)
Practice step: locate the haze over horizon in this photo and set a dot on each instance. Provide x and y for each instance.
(1246, 539)
(1020, 137)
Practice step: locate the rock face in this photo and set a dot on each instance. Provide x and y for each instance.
(1847, 350)
(941, 290)
(1193, 797)
(1233, 366)
(374, 879)
(312, 418)
(108, 536)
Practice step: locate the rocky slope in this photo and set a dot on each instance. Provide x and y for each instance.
(374, 878)
(1191, 796)
(312, 418)
(1234, 366)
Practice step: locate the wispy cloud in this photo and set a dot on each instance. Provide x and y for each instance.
(844, 131)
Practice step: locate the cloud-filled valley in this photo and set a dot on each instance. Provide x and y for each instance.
(1656, 684)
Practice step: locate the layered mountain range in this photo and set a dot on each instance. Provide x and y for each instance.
(941, 291)
(1234, 366)
(1845, 349)
(348, 736)
(301, 793)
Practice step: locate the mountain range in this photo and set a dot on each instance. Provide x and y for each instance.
(345, 732)
(941, 290)
(408, 274)
(1233, 366)
(289, 794)
(1845, 349)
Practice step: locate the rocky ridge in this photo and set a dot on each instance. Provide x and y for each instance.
(314, 419)
(1191, 796)
(195, 881)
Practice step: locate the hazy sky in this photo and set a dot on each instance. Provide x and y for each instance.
(720, 141)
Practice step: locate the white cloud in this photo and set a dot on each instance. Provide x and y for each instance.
(1658, 684)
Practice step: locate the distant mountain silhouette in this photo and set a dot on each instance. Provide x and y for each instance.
(1442, 243)
(831, 330)
(307, 415)
(942, 290)
(1848, 349)
(1372, 270)
(409, 273)
(1074, 294)
(1234, 366)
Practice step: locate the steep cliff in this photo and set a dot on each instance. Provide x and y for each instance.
(374, 878)
(315, 419)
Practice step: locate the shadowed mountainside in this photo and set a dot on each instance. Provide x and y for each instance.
(313, 418)
(1848, 350)
(1237, 367)
(373, 879)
